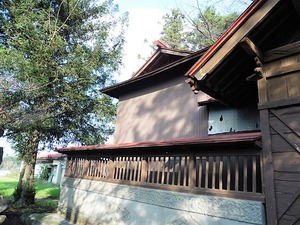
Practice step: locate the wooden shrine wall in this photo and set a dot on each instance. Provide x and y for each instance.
(279, 105)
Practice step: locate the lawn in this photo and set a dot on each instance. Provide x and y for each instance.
(47, 194)
(44, 189)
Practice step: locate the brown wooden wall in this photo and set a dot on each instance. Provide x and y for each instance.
(165, 111)
(282, 163)
(281, 79)
(279, 95)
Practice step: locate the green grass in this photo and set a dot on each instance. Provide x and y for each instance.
(7, 186)
(43, 189)
(46, 190)
(47, 194)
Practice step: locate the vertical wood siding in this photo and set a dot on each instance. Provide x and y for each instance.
(279, 96)
(286, 161)
(283, 138)
(282, 79)
(165, 111)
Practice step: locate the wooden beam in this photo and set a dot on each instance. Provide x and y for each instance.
(279, 103)
(278, 71)
(282, 51)
(250, 48)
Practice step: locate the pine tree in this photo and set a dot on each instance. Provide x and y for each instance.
(173, 29)
(55, 56)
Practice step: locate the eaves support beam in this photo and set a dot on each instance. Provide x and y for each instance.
(250, 48)
(253, 51)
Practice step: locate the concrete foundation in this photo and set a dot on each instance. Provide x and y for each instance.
(93, 202)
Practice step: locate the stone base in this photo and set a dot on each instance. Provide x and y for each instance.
(94, 202)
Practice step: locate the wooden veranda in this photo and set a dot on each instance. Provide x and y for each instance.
(226, 165)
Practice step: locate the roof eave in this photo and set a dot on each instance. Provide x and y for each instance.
(204, 141)
(198, 70)
(111, 89)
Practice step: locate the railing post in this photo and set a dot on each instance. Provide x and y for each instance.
(144, 169)
(192, 170)
(86, 165)
(68, 169)
(111, 168)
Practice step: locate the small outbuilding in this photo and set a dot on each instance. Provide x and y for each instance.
(51, 166)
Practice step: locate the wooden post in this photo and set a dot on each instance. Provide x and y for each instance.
(221, 173)
(68, 167)
(86, 165)
(268, 168)
(185, 172)
(262, 90)
(213, 182)
(192, 170)
(254, 174)
(228, 172)
(179, 171)
(163, 171)
(245, 170)
(144, 169)
(206, 171)
(111, 168)
(236, 176)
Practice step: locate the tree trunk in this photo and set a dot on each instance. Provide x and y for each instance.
(25, 191)
(1, 154)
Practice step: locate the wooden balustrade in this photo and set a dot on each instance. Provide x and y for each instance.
(191, 172)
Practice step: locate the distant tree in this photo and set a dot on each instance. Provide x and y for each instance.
(194, 31)
(11, 163)
(207, 27)
(173, 29)
(55, 56)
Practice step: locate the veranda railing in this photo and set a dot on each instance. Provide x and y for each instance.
(235, 173)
